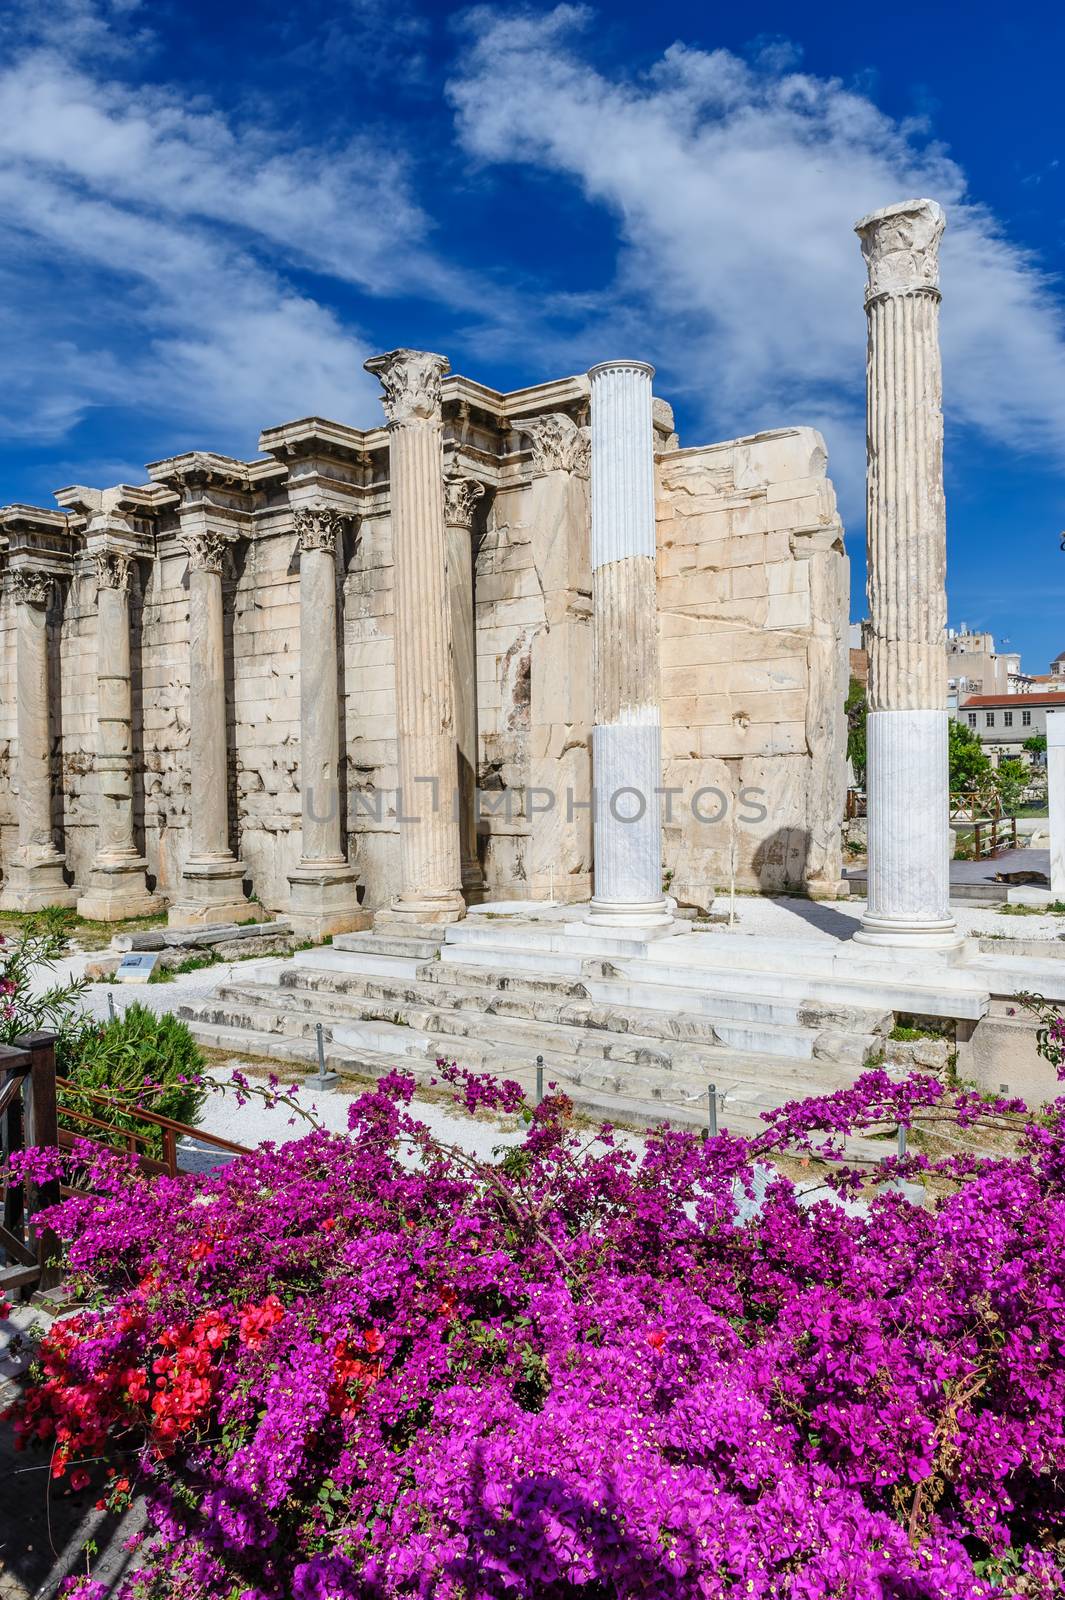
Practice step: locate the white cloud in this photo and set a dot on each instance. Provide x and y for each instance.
(735, 189)
(152, 243)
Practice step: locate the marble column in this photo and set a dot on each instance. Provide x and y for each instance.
(907, 764)
(627, 735)
(35, 875)
(461, 495)
(117, 885)
(212, 877)
(324, 893)
(430, 863)
(1056, 796)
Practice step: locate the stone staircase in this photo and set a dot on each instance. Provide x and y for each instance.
(631, 1029)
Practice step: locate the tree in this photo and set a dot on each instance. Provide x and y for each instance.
(857, 710)
(1036, 745)
(969, 766)
(1011, 778)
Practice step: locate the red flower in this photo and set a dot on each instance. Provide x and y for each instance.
(79, 1479)
(657, 1340)
(257, 1322)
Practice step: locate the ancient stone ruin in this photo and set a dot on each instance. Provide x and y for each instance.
(236, 680)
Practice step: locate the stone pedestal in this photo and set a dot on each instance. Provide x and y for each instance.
(627, 735)
(117, 886)
(907, 767)
(323, 888)
(460, 500)
(35, 875)
(212, 877)
(1056, 796)
(430, 863)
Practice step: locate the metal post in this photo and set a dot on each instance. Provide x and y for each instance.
(110, 1006)
(711, 1095)
(539, 1079)
(323, 1079)
(902, 1139)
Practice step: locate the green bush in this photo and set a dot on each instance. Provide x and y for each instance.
(139, 1060)
(40, 944)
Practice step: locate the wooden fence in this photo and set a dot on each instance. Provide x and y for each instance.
(32, 1101)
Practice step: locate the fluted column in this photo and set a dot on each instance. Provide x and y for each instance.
(627, 735)
(35, 875)
(907, 762)
(324, 893)
(212, 877)
(461, 495)
(1056, 797)
(117, 885)
(430, 868)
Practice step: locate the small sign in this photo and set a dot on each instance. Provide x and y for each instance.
(136, 967)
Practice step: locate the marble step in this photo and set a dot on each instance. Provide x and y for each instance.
(829, 972)
(741, 997)
(715, 1019)
(748, 1087)
(422, 946)
(625, 1033)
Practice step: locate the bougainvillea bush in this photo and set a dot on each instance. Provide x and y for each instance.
(372, 1367)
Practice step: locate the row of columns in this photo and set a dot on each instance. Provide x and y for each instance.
(908, 771)
(435, 671)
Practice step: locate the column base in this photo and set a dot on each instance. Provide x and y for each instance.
(646, 919)
(901, 933)
(117, 891)
(324, 899)
(211, 892)
(409, 910)
(36, 885)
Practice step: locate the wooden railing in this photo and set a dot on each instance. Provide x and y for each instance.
(982, 815)
(32, 1102)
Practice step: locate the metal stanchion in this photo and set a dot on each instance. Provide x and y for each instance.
(711, 1097)
(323, 1079)
(539, 1079)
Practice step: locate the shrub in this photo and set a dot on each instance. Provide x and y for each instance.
(57, 1009)
(137, 1060)
(372, 1367)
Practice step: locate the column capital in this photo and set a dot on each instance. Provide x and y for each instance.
(461, 495)
(114, 567)
(900, 244)
(31, 586)
(206, 548)
(319, 526)
(412, 381)
(558, 443)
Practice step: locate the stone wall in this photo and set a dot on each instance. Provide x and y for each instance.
(752, 605)
(753, 596)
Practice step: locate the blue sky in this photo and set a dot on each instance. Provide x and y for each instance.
(210, 214)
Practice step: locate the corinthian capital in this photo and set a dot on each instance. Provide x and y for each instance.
(318, 527)
(31, 586)
(113, 568)
(460, 498)
(206, 549)
(900, 244)
(412, 382)
(558, 444)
